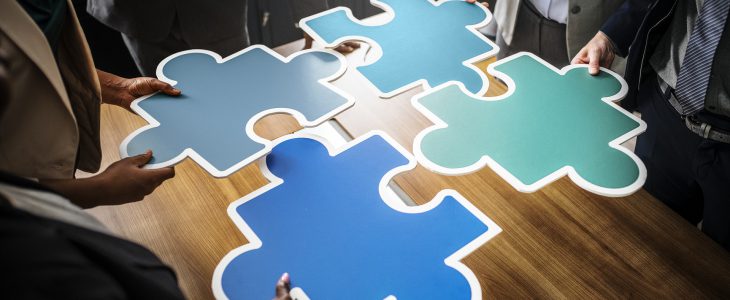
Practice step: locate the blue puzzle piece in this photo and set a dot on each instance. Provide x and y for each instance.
(212, 121)
(424, 43)
(326, 224)
(550, 123)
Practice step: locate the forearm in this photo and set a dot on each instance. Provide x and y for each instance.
(83, 192)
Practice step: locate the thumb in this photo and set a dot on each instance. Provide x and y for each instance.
(159, 85)
(283, 286)
(142, 159)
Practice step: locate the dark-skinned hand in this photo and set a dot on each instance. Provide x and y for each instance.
(127, 181)
(122, 91)
(124, 181)
(283, 287)
(344, 48)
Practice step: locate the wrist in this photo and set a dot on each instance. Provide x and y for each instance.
(111, 87)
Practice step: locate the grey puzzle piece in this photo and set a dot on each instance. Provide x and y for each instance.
(212, 121)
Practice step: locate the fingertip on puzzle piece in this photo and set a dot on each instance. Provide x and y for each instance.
(424, 43)
(347, 236)
(212, 121)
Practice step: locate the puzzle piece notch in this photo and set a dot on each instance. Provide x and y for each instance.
(212, 121)
(327, 225)
(431, 29)
(548, 121)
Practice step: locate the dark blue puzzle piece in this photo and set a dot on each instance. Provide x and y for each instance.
(327, 225)
(222, 100)
(424, 41)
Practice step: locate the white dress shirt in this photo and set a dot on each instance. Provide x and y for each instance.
(556, 10)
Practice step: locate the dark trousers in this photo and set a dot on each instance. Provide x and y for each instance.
(688, 173)
(537, 34)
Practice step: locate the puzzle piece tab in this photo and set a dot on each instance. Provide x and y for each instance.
(212, 121)
(424, 43)
(550, 123)
(326, 224)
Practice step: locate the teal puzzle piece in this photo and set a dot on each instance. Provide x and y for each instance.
(327, 220)
(212, 121)
(550, 123)
(424, 43)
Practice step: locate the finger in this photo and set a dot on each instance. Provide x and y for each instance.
(161, 174)
(142, 159)
(594, 59)
(344, 49)
(283, 286)
(579, 58)
(353, 45)
(158, 85)
(471, 1)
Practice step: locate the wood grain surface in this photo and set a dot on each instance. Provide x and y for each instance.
(559, 242)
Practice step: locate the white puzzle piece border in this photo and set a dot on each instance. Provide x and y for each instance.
(566, 170)
(453, 261)
(378, 50)
(249, 128)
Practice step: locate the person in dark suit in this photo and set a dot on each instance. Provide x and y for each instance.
(678, 71)
(54, 250)
(154, 30)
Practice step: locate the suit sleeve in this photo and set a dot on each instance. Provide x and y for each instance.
(42, 265)
(304, 8)
(625, 22)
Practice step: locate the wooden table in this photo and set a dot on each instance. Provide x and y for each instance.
(559, 242)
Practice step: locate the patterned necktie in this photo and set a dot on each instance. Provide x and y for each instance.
(694, 74)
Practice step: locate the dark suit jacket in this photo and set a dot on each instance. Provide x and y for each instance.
(637, 27)
(201, 21)
(45, 259)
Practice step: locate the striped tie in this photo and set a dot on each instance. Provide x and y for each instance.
(694, 75)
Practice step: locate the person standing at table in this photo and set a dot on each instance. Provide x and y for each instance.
(554, 30)
(678, 71)
(51, 124)
(52, 248)
(154, 30)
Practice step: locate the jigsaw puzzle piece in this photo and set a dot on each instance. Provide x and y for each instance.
(548, 122)
(212, 121)
(424, 43)
(326, 223)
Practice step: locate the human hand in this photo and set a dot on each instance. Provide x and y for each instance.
(126, 181)
(599, 52)
(283, 286)
(121, 91)
(344, 48)
(475, 1)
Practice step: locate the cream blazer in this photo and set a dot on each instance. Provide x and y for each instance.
(50, 125)
(585, 18)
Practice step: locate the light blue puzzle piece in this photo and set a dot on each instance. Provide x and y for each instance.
(326, 224)
(424, 43)
(550, 123)
(212, 121)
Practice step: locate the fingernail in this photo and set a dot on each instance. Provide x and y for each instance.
(148, 152)
(284, 277)
(176, 91)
